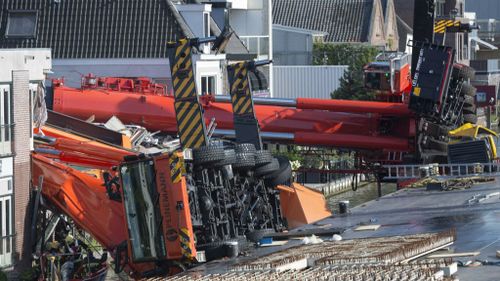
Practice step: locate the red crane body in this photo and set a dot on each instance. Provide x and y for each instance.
(85, 198)
(335, 123)
(82, 197)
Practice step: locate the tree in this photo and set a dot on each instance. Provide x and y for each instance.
(355, 56)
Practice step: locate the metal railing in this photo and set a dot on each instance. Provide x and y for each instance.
(395, 172)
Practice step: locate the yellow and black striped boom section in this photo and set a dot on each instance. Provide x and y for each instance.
(440, 26)
(451, 26)
(241, 94)
(245, 124)
(189, 114)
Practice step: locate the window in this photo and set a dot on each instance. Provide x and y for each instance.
(461, 47)
(206, 32)
(142, 211)
(2, 227)
(481, 97)
(6, 116)
(440, 8)
(6, 231)
(206, 25)
(5, 120)
(208, 85)
(21, 24)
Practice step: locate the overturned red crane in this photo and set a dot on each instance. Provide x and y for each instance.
(334, 123)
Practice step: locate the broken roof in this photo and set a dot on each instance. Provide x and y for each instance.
(96, 28)
(343, 20)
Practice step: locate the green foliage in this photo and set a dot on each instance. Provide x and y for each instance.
(3, 276)
(28, 275)
(292, 155)
(355, 56)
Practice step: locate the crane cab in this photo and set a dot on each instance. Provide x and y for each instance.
(157, 213)
(388, 76)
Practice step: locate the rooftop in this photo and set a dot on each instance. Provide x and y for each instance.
(343, 20)
(92, 28)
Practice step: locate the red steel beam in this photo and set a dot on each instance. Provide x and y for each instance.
(334, 123)
(352, 141)
(386, 108)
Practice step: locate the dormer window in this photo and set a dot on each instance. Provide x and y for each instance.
(21, 24)
(206, 25)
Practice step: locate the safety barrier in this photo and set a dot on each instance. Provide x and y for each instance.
(395, 172)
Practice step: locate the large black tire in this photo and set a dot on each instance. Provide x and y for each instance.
(282, 176)
(229, 158)
(268, 168)
(468, 90)
(208, 155)
(258, 234)
(469, 100)
(469, 109)
(244, 161)
(245, 148)
(214, 250)
(470, 118)
(462, 71)
(469, 105)
(263, 157)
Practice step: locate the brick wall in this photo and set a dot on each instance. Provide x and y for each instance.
(21, 111)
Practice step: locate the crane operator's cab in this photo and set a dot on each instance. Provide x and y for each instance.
(389, 76)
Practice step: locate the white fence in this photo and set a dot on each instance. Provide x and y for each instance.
(309, 81)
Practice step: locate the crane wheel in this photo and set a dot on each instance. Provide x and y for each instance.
(462, 71)
(263, 157)
(281, 176)
(229, 158)
(470, 118)
(468, 90)
(268, 168)
(208, 154)
(469, 100)
(214, 250)
(258, 234)
(469, 105)
(469, 109)
(245, 148)
(244, 161)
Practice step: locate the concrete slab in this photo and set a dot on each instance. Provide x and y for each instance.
(417, 211)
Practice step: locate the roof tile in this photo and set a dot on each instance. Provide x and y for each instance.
(344, 20)
(96, 28)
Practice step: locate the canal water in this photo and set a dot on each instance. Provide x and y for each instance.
(363, 194)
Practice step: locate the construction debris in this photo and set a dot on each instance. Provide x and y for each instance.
(141, 139)
(436, 270)
(312, 240)
(384, 258)
(449, 184)
(300, 234)
(453, 255)
(478, 198)
(385, 250)
(275, 243)
(450, 269)
(372, 227)
(336, 237)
